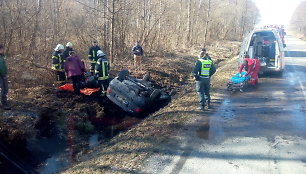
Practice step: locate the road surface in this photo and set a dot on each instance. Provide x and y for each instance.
(260, 131)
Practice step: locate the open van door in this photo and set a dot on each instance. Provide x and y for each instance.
(279, 56)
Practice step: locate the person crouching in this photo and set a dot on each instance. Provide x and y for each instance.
(75, 69)
(252, 66)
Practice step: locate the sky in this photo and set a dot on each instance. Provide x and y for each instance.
(276, 11)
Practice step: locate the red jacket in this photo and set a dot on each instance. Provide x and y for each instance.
(74, 66)
(252, 64)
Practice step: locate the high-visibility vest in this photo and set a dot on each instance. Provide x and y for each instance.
(206, 65)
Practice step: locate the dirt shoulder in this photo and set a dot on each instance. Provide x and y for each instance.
(127, 152)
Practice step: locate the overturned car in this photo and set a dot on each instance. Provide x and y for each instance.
(135, 95)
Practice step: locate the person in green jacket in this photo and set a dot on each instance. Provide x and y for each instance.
(3, 80)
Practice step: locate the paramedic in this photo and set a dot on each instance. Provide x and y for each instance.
(252, 66)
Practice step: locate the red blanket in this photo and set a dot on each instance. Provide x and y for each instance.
(85, 91)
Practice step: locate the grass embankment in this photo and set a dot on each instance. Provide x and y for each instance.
(127, 152)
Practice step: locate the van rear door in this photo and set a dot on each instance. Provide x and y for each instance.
(279, 52)
(244, 47)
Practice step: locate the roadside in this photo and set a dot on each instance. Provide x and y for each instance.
(127, 152)
(259, 131)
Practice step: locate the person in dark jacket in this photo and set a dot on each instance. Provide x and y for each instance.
(3, 80)
(92, 55)
(75, 69)
(102, 71)
(67, 50)
(138, 53)
(58, 63)
(203, 54)
(202, 72)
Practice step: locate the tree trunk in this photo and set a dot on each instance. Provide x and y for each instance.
(35, 30)
(189, 22)
(207, 22)
(112, 53)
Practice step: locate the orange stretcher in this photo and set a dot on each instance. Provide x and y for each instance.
(85, 91)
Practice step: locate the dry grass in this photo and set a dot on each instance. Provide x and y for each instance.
(127, 152)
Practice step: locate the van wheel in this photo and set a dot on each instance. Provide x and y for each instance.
(154, 96)
(123, 74)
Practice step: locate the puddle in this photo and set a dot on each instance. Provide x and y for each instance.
(203, 132)
(212, 129)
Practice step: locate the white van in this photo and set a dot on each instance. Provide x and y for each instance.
(267, 46)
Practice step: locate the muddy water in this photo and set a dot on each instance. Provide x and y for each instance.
(51, 153)
(55, 153)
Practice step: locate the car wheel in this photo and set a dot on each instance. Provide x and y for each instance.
(146, 77)
(123, 74)
(155, 95)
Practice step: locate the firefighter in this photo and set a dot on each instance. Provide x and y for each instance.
(202, 72)
(58, 63)
(102, 71)
(252, 66)
(92, 55)
(67, 51)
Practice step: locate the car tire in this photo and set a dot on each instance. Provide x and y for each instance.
(146, 77)
(123, 74)
(155, 95)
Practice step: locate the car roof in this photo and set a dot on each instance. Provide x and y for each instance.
(263, 30)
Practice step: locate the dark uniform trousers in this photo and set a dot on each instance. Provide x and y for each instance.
(77, 82)
(4, 89)
(60, 76)
(203, 88)
(104, 85)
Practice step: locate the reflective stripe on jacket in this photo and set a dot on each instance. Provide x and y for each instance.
(206, 65)
(92, 53)
(102, 68)
(57, 61)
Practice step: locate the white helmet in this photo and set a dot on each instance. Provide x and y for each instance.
(59, 47)
(100, 53)
(69, 44)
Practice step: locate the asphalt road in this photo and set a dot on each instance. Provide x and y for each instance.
(262, 130)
